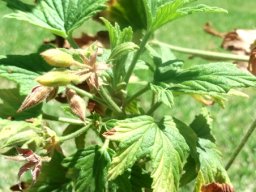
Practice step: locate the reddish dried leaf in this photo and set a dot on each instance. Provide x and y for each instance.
(110, 132)
(217, 187)
(209, 29)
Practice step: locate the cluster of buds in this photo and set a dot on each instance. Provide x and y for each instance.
(88, 71)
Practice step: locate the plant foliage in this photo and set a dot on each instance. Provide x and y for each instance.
(93, 94)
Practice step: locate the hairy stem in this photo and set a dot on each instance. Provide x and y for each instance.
(153, 108)
(136, 56)
(86, 94)
(72, 42)
(201, 53)
(241, 145)
(137, 94)
(63, 119)
(74, 134)
(110, 102)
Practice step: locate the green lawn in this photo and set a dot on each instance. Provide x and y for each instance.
(230, 124)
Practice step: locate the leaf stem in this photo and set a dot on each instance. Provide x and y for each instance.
(202, 53)
(63, 119)
(72, 43)
(136, 56)
(86, 94)
(154, 108)
(74, 134)
(137, 94)
(111, 103)
(241, 145)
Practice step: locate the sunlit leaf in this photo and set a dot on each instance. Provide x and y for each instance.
(61, 17)
(142, 136)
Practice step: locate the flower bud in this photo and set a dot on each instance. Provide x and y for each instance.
(58, 58)
(57, 78)
(37, 95)
(77, 104)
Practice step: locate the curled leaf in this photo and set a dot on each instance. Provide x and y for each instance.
(217, 187)
(37, 95)
(77, 104)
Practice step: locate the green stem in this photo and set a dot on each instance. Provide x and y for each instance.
(241, 145)
(104, 93)
(201, 53)
(62, 119)
(72, 42)
(153, 108)
(137, 94)
(136, 57)
(86, 94)
(74, 134)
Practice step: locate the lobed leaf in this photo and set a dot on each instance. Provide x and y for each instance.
(142, 136)
(91, 164)
(20, 76)
(208, 79)
(163, 95)
(116, 35)
(61, 17)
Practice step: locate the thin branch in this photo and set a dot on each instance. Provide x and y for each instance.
(111, 103)
(137, 94)
(63, 119)
(74, 134)
(202, 53)
(241, 145)
(86, 94)
(137, 56)
(153, 108)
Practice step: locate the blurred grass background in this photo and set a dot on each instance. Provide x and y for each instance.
(230, 123)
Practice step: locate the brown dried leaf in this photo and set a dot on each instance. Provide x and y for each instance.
(217, 187)
(239, 41)
(77, 104)
(209, 29)
(110, 132)
(252, 60)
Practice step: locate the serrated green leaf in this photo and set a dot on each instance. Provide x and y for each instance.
(122, 49)
(211, 167)
(202, 125)
(91, 164)
(17, 133)
(116, 35)
(161, 12)
(61, 17)
(209, 158)
(163, 95)
(142, 136)
(209, 79)
(20, 76)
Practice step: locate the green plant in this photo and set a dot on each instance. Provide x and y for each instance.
(133, 148)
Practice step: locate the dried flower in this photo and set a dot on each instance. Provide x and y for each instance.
(37, 95)
(77, 104)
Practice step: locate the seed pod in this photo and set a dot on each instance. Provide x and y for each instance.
(77, 104)
(58, 58)
(37, 95)
(57, 78)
